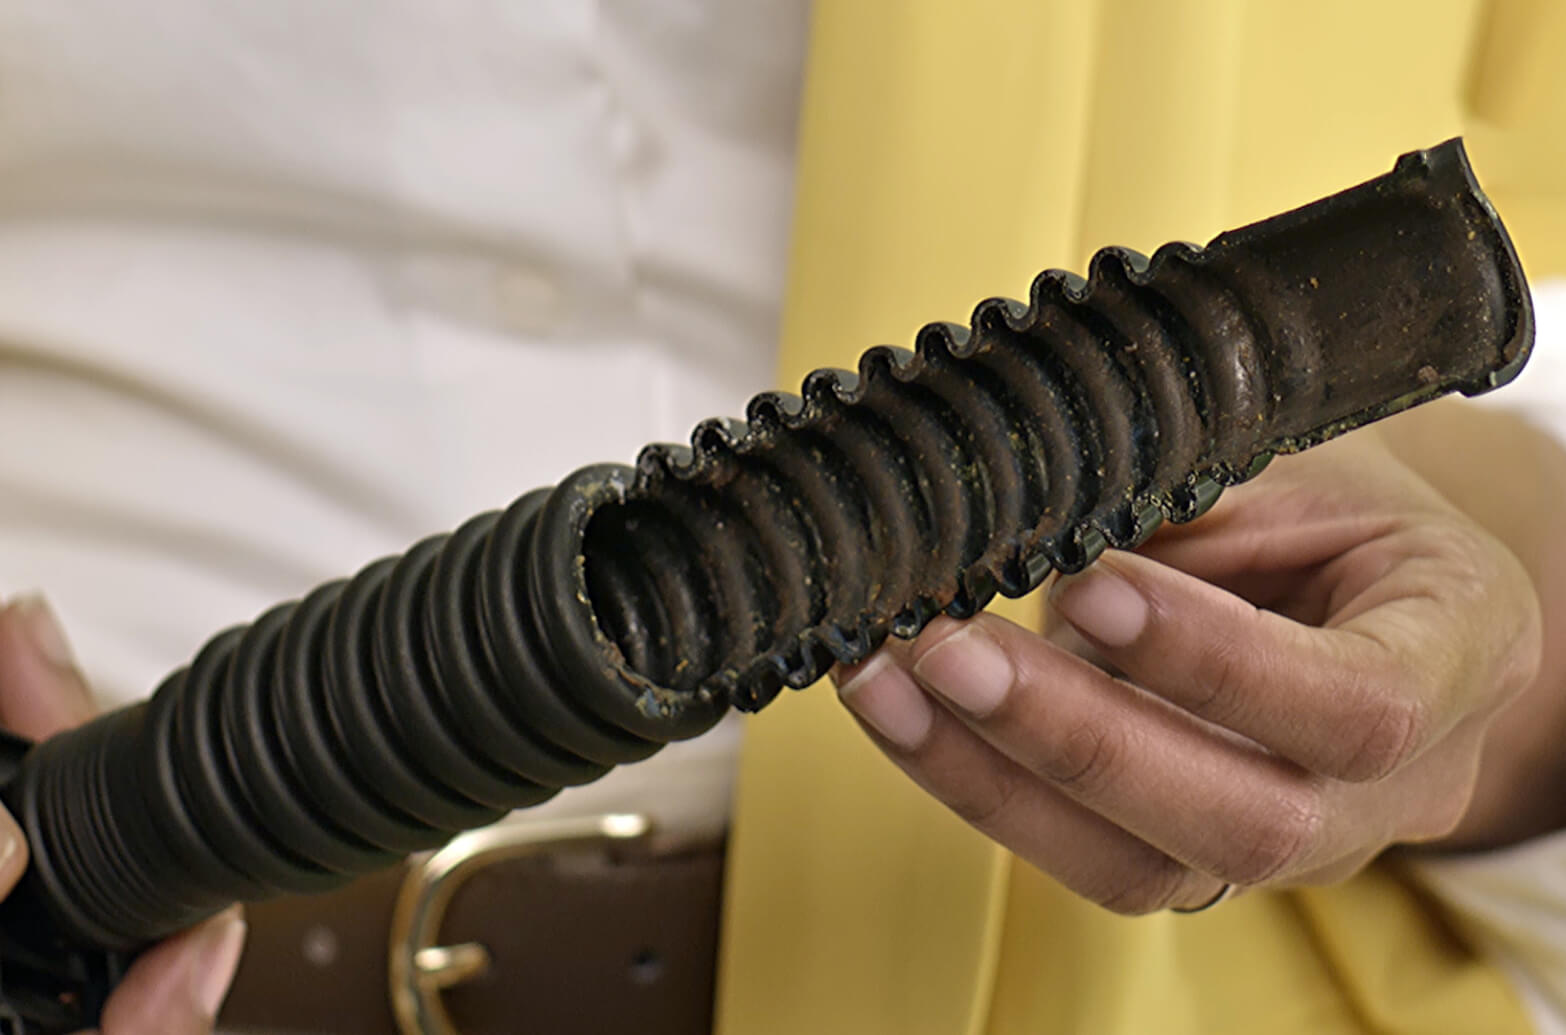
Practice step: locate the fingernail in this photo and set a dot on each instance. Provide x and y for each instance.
(215, 955)
(1102, 606)
(887, 698)
(969, 669)
(44, 630)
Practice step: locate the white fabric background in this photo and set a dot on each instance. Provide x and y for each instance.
(285, 286)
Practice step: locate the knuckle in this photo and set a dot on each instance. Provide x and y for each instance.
(1520, 657)
(984, 808)
(1085, 759)
(1442, 818)
(1219, 670)
(1443, 811)
(1156, 886)
(1280, 841)
(1523, 657)
(1391, 730)
(1470, 556)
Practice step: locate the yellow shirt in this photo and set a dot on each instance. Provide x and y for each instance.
(948, 152)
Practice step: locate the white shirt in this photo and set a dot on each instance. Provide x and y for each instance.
(286, 286)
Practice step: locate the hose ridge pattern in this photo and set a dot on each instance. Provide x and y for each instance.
(1028, 441)
(588, 624)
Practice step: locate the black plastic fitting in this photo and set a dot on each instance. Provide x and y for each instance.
(589, 624)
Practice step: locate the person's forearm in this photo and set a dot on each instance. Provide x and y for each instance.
(1511, 479)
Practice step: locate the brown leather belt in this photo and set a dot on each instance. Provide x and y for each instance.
(554, 927)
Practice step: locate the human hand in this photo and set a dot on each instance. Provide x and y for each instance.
(1308, 676)
(175, 987)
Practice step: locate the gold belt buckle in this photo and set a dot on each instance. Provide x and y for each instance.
(419, 967)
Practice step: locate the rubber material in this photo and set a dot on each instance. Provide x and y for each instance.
(589, 624)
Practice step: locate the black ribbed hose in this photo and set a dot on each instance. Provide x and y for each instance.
(591, 623)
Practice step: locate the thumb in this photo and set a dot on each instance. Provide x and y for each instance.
(177, 986)
(41, 689)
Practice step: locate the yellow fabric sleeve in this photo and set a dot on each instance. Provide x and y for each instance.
(947, 153)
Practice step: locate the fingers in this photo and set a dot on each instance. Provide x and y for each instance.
(176, 987)
(41, 689)
(1243, 747)
(41, 692)
(1251, 545)
(1004, 800)
(1307, 680)
(1335, 701)
(13, 853)
(1127, 755)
